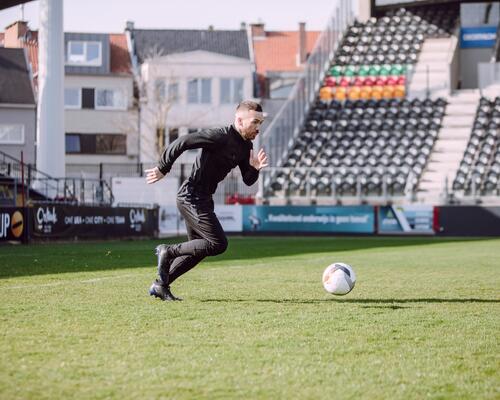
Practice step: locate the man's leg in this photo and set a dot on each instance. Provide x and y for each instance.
(166, 264)
(180, 265)
(206, 238)
(209, 238)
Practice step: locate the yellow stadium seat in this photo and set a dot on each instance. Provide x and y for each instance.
(325, 93)
(340, 93)
(388, 92)
(400, 91)
(354, 93)
(365, 93)
(377, 92)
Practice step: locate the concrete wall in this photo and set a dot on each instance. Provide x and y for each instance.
(27, 118)
(469, 59)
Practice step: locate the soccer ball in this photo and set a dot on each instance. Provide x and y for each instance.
(339, 278)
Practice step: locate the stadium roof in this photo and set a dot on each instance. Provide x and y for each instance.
(170, 41)
(11, 3)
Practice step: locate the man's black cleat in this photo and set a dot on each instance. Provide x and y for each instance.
(163, 292)
(164, 262)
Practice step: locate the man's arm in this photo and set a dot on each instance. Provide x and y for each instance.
(198, 140)
(250, 167)
(203, 139)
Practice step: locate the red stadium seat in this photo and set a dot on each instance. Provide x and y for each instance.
(359, 81)
(330, 81)
(369, 81)
(392, 80)
(344, 82)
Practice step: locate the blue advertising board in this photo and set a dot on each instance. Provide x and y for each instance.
(478, 37)
(416, 219)
(311, 219)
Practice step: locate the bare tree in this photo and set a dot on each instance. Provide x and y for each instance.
(156, 95)
(154, 101)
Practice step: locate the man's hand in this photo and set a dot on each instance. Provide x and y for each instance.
(260, 161)
(153, 175)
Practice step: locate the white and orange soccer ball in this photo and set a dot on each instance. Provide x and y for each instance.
(339, 278)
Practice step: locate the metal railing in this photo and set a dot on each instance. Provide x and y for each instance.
(37, 186)
(287, 122)
(334, 191)
(473, 190)
(14, 168)
(71, 191)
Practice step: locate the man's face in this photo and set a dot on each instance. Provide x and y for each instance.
(248, 123)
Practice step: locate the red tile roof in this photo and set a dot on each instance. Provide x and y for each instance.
(278, 51)
(120, 58)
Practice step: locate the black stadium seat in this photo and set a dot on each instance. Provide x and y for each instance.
(362, 148)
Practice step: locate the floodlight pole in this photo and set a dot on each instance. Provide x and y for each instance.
(50, 142)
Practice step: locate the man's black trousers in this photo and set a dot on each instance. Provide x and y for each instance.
(205, 237)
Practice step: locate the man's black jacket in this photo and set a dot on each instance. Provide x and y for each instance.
(222, 150)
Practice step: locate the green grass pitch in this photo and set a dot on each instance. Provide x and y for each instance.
(422, 322)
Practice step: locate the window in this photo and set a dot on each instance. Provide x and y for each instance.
(173, 134)
(88, 98)
(84, 53)
(160, 90)
(173, 92)
(200, 91)
(11, 134)
(111, 144)
(110, 99)
(225, 91)
(77, 143)
(164, 92)
(72, 143)
(72, 98)
(206, 92)
(231, 90)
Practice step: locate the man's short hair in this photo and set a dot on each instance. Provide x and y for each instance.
(248, 105)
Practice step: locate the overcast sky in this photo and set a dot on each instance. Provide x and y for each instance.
(110, 15)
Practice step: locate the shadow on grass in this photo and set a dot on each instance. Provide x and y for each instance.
(372, 302)
(53, 258)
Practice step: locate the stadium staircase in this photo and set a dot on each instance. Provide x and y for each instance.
(431, 75)
(449, 148)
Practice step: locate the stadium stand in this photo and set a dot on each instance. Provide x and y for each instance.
(363, 135)
(366, 142)
(373, 57)
(479, 169)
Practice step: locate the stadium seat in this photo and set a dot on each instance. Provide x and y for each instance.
(364, 144)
